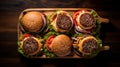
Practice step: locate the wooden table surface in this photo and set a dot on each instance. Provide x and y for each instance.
(11, 9)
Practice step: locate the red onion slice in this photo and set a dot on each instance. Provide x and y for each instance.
(44, 22)
(81, 30)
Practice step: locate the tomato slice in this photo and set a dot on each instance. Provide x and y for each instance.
(26, 35)
(75, 17)
(76, 14)
(49, 41)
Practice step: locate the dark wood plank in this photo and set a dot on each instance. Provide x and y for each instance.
(9, 14)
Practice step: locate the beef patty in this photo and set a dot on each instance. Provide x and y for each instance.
(90, 46)
(30, 45)
(63, 21)
(87, 20)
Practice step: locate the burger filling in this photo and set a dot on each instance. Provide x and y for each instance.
(87, 20)
(63, 22)
(86, 45)
(90, 46)
(30, 45)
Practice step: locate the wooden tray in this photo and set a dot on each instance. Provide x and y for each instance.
(48, 11)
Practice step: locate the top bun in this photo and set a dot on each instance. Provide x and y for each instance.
(61, 45)
(33, 21)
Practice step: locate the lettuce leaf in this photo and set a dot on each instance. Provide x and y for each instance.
(47, 53)
(20, 50)
(51, 32)
(98, 23)
(100, 45)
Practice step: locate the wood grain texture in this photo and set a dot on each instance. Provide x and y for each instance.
(9, 14)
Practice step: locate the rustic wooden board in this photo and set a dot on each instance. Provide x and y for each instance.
(48, 12)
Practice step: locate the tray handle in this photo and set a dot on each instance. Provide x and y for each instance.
(103, 20)
(105, 48)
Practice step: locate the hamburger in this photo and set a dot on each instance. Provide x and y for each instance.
(87, 46)
(61, 21)
(86, 21)
(30, 46)
(59, 45)
(33, 22)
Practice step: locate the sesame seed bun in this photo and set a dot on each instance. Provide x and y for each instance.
(61, 45)
(33, 21)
